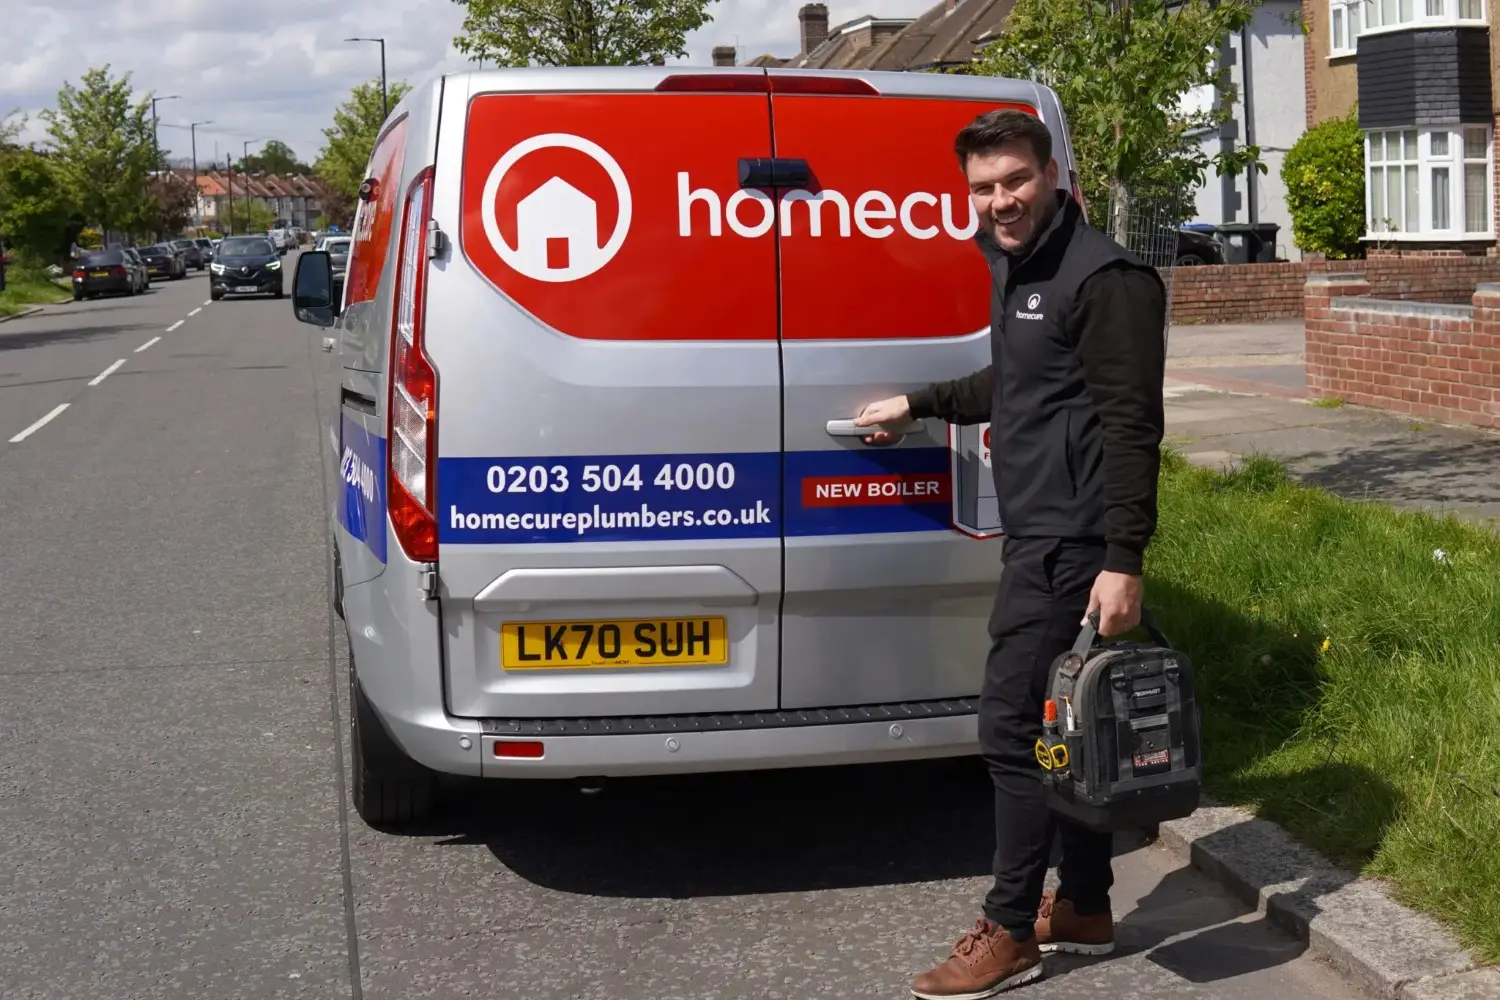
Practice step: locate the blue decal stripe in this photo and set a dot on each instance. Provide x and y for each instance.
(362, 511)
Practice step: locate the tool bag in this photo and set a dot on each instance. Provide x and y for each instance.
(1120, 742)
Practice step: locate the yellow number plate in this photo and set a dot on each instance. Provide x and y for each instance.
(634, 642)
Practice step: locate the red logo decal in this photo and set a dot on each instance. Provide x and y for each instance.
(875, 491)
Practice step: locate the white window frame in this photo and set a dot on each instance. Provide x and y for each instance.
(1427, 156)
(1384, 16)
(1344, 20)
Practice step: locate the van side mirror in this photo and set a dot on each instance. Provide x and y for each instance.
(312, 289)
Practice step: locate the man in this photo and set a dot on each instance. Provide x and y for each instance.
(1074, 399)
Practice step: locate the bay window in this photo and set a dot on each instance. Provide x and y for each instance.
(1348, 19)
(1429, 183)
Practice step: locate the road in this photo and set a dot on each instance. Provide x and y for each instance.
(172, 752)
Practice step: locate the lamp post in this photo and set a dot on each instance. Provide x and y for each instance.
(385, 110)
(193, 131)
(229, 165)
(246, 177)
(155, 144)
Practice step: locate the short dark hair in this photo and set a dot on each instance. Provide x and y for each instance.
(1001, 127)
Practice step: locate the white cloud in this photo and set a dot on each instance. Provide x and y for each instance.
(282, 76)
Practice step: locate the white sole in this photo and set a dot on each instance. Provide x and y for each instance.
(1070, 948)
(1031, 975)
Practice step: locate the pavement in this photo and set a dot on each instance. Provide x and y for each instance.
(173, 753)
(1236, 390)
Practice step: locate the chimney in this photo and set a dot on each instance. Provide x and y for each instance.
(814, 18)
(724, 55)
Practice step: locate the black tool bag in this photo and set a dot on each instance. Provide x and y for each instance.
(1120, 747)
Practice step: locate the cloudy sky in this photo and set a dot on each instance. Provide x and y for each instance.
(282, 78)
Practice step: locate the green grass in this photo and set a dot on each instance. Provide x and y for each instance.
(1328, 402)
(1348, 660)
(25, 288)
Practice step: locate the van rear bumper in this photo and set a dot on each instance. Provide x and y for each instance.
(739, 742)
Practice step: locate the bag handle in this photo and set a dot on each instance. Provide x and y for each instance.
(1091, 631)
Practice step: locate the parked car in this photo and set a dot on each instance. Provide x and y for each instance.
(337, 248)
(206, 245)
(1197, 247)
(192, 254)
(563, 543)
(108, 272)
(164, 261)
(246, 265)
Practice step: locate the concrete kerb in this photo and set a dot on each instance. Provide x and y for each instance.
(1349, 922)
(24, 312)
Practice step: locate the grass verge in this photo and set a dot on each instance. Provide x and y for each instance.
(1348, 659)
(25, 288)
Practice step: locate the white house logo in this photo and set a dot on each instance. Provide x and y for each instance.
(1032, 301)
(557, 212)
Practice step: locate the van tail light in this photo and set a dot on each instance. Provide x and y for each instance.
(1078, 191)
(412, 407)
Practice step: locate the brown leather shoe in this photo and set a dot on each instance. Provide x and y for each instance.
(986, 961)
(1060, 928)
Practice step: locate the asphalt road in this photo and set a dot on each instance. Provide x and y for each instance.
(172, 752)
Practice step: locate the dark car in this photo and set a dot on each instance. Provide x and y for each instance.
(164, 261)
(192, 254)
(107, 272)
(206, 245)
(246, 265)
(1197, 247)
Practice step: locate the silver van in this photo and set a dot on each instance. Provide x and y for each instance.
(600, 506)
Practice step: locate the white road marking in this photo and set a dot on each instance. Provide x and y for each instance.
(39, 424)
(147, 344)
(106, 373)
(196, 311)
(176, 325)
(209, 302)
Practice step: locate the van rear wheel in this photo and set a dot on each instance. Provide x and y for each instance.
(389, 788)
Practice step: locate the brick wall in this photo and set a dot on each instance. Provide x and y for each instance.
(1250, 293)
(1440, 361)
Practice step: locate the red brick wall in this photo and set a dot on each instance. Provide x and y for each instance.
(1445, 367)
(1250, 293)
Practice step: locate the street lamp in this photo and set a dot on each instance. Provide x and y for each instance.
(155, 144)
(245, 155)
(385, 111)
(193, 131)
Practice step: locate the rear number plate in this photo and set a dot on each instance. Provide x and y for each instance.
(98, 274)
(635, 642)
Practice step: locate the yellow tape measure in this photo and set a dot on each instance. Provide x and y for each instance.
(1053, 758)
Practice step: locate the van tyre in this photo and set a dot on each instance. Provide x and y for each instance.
(389, 788)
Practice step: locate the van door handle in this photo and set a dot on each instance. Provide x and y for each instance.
(357, 400)
(846, 428)
(779, 171)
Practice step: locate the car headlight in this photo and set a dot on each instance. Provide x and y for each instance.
(275, 265)
(216, 268)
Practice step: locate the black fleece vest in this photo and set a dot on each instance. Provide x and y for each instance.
(1047, 445)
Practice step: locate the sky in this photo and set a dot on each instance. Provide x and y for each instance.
(282, 78)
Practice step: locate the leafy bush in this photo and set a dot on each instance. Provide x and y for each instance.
(90, 238)
(1324, 174)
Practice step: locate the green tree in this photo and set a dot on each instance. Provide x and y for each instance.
(578, 32)
(101, 138)
(351, 139)
(35, 206)
(1121, 69)
(1324, 174)
(275, 157)
(171, 205)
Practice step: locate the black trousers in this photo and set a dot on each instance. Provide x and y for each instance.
(1043, 595)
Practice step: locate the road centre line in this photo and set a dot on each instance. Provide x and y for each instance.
(106, 373)
(176, 325)
(209, 302)
(147, 344)
(39, 424)
(196, 311)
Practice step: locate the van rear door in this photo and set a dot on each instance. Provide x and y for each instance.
(883, 290)
(609, 399)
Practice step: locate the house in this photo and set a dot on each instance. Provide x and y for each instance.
(1422, 75)
(1269, 92)
(945, 36)
(292, 201)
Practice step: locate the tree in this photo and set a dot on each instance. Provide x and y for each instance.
(351, 139)
(102, 142)
(578, 32)
(35, 208)
(1121, 69)
(1324, 173)
(275, 157)
(172, 202)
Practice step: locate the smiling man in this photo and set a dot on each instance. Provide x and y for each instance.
(1074, 398)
